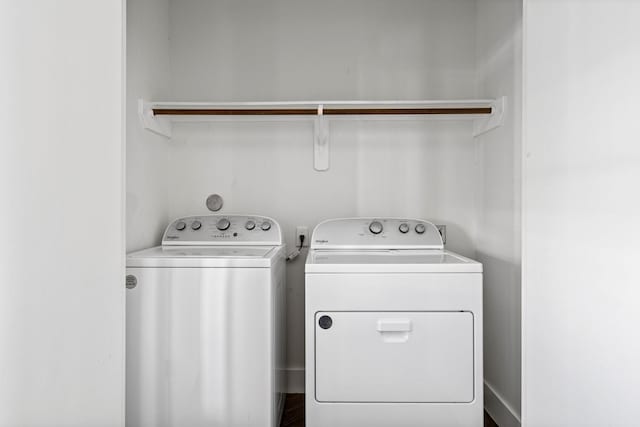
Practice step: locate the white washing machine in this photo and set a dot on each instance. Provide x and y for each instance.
(393, 327)
(205, 325)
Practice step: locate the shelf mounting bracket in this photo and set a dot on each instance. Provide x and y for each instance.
(321, 141)
(496, 119)
(158, 125)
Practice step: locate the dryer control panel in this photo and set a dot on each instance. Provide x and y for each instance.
(376, 233)
(212, 230)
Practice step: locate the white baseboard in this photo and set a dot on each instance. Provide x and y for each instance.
(501, 412)
(294, 380)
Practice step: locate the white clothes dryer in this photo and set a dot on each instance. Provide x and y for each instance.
(393, 327)
(205, 325)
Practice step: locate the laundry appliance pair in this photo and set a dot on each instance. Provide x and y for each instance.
(393, 326)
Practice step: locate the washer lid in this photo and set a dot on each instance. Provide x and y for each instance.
(204, 256)
(376, 233)
(389, 261)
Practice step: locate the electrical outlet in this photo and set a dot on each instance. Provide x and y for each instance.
(302, 230)
(443, 232)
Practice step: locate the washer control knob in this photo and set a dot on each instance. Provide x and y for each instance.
(223, 224)
(196, 225)
(266, 226)
(420, 228)
(250, 225)
(404, 228)
(180, 225)
(375, 227)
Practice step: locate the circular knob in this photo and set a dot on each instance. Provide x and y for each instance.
(375, 227)
(181, 225)
(325, 322)
(223, 224)
(250, 225)
(196, 225)
(404, 228)
(266, 226)
(420, 228)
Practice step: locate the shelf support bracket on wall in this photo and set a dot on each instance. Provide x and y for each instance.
(321, 141)
(496, 119)
(158, 125)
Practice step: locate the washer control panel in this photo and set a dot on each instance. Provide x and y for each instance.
(211, 230)
(376, 233)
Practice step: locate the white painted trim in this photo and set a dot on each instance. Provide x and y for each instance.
(524, 193)
(501, 412)
(294, 380)
(123, 213)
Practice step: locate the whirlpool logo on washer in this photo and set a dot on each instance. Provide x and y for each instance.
(322, 241)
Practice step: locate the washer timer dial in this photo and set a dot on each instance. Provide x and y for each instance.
(223, 224)
(376, 227)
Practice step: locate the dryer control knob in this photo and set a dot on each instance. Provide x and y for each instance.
(404, 228)
(196, 225)
(266, 226)
(250, 225)
(375, 227)
(180, 225)
(223, 224)
(420, 228)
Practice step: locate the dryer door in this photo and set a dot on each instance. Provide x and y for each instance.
(414, 357)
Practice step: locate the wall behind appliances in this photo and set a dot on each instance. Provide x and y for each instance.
(148, 71)
(301, 50)
(499, 65)
(61, 181)
(581, 208)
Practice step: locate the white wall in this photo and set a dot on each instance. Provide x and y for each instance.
(334, 49)
(296, 50)
(581, 213)
(62, 246)
(148, 70)
(499, 65)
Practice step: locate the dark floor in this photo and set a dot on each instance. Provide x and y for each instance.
(293, 415)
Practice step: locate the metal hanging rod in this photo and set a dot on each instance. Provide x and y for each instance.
(314, 111)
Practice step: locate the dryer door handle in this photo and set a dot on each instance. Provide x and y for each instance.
(394, 325)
